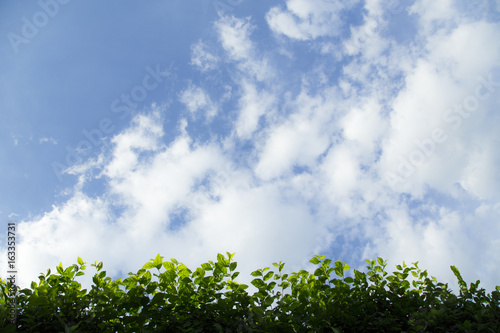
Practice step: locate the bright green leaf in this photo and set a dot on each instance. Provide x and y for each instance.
(314, 261)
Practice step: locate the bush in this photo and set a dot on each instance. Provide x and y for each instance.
(166, 296)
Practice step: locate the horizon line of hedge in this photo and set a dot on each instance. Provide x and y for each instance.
(174, 298)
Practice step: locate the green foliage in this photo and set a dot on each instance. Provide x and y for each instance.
(166, 296)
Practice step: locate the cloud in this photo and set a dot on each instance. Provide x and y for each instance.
(196, 99)
(234, 35)
(307, 20)
(202, 58)
(48, 140)
(147, 182)
(298, 140)
(437, 99)
(253, 105)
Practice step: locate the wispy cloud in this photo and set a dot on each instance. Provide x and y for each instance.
(48, 140)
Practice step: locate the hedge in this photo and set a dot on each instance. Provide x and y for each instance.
(167, 296)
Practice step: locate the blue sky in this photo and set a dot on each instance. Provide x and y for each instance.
(273, 129)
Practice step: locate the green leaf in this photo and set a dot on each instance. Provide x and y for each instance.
(268, 276)
(348, 279)
(232, 266)
(148, 265)
(256, 273)
(220, 257)
(158, 261)
(314, 261)
(258, 311)
(318, 272)
(146, 278)
(230, 255)
(80, 261)
(380, 261)
(206, 266)
(258, 283)
(99, 266)
(59, 268)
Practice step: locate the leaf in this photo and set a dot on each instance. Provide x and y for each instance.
(256, 273)
(268, 276)
(284, 285)
(99, 266)
(206, 266)
(232, 266)
(380, 261)
(318, 272)
(461, 282)
(59, 268)
(230, 255)
(348, 279)
(158, 261)
(258, 311)
(148, 265)
(146, 278)
(326, 262)
(258, 283)
(271, 286)
(314, 261)
(80, 261)
(220, 257)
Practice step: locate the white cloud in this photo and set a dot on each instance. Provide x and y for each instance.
(196, 99)
(147, 182)
(253, 105)
(436, 15)
(299, 140)
(48, 140)
(202, 58)
(234, 35)
(306, 20)
(437, 99)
